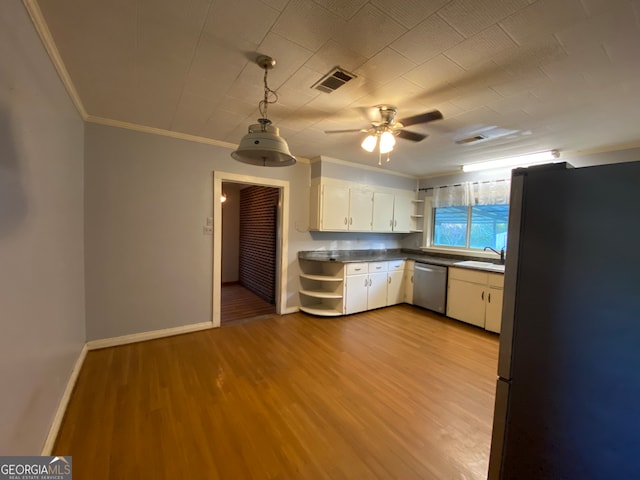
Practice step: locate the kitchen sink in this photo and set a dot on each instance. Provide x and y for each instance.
(481, 265)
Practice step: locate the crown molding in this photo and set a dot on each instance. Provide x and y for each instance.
(324, 158)
(47, 40)
(158, 131)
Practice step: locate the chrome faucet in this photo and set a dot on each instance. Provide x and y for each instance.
(501, 253)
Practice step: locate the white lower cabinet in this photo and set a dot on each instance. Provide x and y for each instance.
(408, 281)
(365, 286)
(493, 317)
(395, 282)
(475, 297)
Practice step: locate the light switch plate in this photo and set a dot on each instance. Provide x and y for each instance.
(209, 222)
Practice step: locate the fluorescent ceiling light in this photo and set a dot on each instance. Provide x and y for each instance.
(511, 162)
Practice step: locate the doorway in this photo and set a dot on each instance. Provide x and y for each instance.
(281, 234)
(249, 251)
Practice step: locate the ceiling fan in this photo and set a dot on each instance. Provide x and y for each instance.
(382, 133)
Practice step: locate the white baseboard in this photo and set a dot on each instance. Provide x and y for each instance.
(140, 337)
(290, 310)
(64, 401)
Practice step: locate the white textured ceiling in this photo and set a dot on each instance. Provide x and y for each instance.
(561, 74)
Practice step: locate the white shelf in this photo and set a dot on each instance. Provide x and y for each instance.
(417, 201)
(321, 288)
(322, 278)
(417, 216)
(321, 310)
(320, 294)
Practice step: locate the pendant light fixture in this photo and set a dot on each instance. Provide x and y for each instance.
(263, 146)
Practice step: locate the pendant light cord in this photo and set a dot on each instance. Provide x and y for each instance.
(264, 104)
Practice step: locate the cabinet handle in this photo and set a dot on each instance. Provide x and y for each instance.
(395, 223)
(411, 278)
(483, 295)
(389, 280)
(345, 220)
(366, 282)
(350, 220)
(489, 298)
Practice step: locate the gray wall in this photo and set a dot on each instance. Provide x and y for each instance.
(148, 265)
(41, 240)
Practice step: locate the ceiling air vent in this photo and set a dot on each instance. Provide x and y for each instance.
(333, 80)
(475, 138)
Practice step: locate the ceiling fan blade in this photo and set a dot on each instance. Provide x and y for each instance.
(422, 118)
(414, 137)
(345, 131)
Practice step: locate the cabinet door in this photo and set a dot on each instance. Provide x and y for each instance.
(395, 287)
(360, 209)
(402, 210)
(377, 290)
(465, 302)
(335, 208)
(356, 293)
(382, 212)
(408, 283)
(493, 318)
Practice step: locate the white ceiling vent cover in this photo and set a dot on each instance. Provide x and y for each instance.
(333, 80)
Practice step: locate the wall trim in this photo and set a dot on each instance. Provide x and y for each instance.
(283, 234)
(64, 402)
(150, 335)
(33, 9)
(324, 158)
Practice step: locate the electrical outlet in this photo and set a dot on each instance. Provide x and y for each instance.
(207, 230)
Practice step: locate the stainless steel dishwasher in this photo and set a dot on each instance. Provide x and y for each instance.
(430, 286)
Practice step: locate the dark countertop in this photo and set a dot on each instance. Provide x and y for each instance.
(350, 256)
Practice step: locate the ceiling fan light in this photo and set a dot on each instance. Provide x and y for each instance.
(387, 141)
(264, 148)
(369, 143)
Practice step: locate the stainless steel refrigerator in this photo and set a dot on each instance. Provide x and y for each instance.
(568, 390)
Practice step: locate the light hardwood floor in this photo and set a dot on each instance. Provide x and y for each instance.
(391, 393)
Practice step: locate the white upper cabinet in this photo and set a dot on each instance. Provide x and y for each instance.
(382, 212)
(360, 209)
(402, 209)
(340, 208)
(336, 206)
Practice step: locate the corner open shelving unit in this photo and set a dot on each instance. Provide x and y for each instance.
(417, 217)
(321, 288)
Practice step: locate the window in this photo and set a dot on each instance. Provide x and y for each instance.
(475, 226)
(471, 215)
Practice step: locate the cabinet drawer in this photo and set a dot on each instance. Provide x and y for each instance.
(395, 265)
(466, 275)
(496, 280)
(357, 268)
(378, 267)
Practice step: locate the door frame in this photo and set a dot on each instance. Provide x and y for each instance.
(281, 241)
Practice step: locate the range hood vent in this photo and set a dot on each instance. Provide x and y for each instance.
(333, 80)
